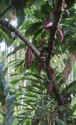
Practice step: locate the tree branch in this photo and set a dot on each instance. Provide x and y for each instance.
(59, 97)
(16, 32)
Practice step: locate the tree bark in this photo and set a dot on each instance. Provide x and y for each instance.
(68, 68)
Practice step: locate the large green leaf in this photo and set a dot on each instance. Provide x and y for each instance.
(59, 122)
(20, 16)
(21, 46)
(7, 36)
(33, 28)
(15, 81)
(71, 88)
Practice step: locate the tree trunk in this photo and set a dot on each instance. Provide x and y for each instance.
(69, 65)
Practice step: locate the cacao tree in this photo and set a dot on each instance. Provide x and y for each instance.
(46, 32)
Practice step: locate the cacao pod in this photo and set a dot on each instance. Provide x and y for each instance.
(48, 26)
(29, 58)
(43, 40)
(61, 35)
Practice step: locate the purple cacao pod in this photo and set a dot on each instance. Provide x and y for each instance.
(29, 57)
(61, 35)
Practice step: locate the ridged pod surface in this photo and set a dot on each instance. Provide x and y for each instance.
(61, 35)
(29, 57)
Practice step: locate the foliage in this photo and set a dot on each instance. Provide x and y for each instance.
(38, 101)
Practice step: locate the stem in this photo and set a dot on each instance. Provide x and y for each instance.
(57, 17)
(59, 97)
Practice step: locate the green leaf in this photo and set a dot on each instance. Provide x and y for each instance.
(74, 108)
(33, 28)
(37, 14)
(59, 122)
(71, 88)
(6, 34)
(46, 8)
(21, 46)
(15, 81)
(69, 29)
(38, 4)
(21, 15)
